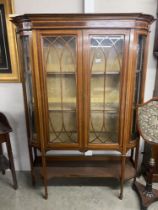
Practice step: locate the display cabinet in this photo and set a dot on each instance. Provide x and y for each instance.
(83, 75)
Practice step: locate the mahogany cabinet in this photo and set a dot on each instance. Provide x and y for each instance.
(83, 75)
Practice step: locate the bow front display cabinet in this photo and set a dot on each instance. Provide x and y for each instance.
(83, 75)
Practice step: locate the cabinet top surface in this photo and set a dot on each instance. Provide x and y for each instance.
(83, 21)
(85, 15)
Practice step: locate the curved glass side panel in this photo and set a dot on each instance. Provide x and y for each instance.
(138, 80)
(28, 86)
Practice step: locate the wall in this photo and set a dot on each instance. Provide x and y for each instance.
(11, 96)
(11, 99)
(142, 6)
(11, 103)
(48, 6)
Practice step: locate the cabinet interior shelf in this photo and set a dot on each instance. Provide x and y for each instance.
(105, 73)
(62, 110)
(61, 73)
(73, 101)
(114, 111)
(95, 73)
(92, 132)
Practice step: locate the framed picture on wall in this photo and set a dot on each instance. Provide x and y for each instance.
(5, 65)
(9, 64)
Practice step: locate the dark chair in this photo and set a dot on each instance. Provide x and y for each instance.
(5, 163)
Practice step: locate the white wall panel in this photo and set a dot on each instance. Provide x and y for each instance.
(48, 6)
(11, 104)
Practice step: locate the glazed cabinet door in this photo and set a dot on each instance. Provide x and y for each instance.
(105, 92)
(61, 57)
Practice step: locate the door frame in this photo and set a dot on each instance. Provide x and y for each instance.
(44, 96)
(123, 84)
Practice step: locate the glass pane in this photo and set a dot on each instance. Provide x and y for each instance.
(105, 92)
(139, 70)
(60, 65)
(103, 127)
(106, 63)
(138, 79)
(61, 92)
(62, 127)
(106, 53)
(60, 54)
(29, 88)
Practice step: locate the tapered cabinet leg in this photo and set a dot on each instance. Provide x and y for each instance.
(123, 161)
(44, 174)
(45, 190)
(136, 161)
(32, 167)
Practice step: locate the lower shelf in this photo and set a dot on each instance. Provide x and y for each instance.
(86, 168)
